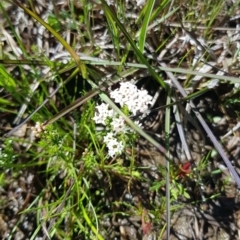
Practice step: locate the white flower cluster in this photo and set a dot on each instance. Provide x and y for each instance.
(135, 100)
(114, 145)
(103, 115)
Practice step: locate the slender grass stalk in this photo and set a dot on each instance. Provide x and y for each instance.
(146, 20)
(167, 163)
(98, 61)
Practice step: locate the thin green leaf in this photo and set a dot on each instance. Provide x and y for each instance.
(6, 80)
(30, 62)
(6, 102)
(143, 31)
(113, 31)
(157, 185)
(159, 7)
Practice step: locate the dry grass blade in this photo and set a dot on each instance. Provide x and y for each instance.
(181, 132)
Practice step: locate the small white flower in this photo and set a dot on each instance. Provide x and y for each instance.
(108, 137)
(138, 123)
(113, 144)
(124, 93)
(118, 124)
(116, 96)
(103, 108)
(102, 114)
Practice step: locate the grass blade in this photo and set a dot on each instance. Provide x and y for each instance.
(167, 131)
(6, 80)
(143, 32)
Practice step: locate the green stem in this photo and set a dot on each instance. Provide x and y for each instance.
(87, 219)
